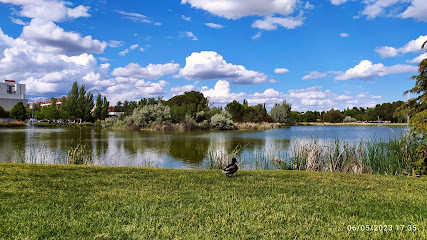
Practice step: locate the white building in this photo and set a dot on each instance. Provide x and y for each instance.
(11, 93)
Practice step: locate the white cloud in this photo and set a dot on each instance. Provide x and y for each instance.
(211, 65)
(338, 2)
(417, 10)
(137, 17)
(134, 89)
(308, 6)
(214, 25)
(281, 70)
(419, 58)
(186, 18)
(182, 89)
(270, 23)
(366, 70)
(235, 9)
(344, 35)
(18, 21)
(51, 10)
(256, 36)
(189, 35)
(124, 52)
(152, 71)
(221, 94)
(413, 46)
(131, 48)
(114, 43)
(386, 51)
(377, 7)
(48, 37)
(314, 75)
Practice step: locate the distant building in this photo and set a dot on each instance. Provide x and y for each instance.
(47, 103)
(11, 93)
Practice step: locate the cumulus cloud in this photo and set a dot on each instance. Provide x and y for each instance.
(417, 10)
(344, 35)
(413, 46)
(214, 25)
(270, 23)
(281, 70)
(366, 70)
(235, 9)
(152, 71)
(221, 94)
(314, 75)
(131, 48)
(211, 65)
(419, 58)
(134, 89)
(386, 51)
(182, 89)
(51, 10)
(48, 37)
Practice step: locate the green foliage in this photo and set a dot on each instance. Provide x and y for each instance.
(349, 119)
(19, 112)
(189, 103)
(189, 123)
(2, 112)
(281, 113)
(333, 116)
(109, 122)
(105, 105)
(71, 104)
(245, 113)
(79, 103)
(142, 117)
(418, 108)
(98, 107)
(222, 121)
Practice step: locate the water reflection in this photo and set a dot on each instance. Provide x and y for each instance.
(167, 150)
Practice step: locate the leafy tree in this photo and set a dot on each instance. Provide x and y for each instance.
(281, 113)
(189, 103)
(236, 110)
(98, 107)
(71, 104)
(2, 112)
(334, 116)
(418, 109)
(18, 112)
(296, 116)
(105, 105)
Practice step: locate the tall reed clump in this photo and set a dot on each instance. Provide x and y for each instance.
(218, 158)
(394, 156)
(79, 153)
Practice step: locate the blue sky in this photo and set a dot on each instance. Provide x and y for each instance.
(317, 55)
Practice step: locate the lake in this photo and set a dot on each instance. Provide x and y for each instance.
(190, 150)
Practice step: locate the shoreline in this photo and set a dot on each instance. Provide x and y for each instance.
(351, 124)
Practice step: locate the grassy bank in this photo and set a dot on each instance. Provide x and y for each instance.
(82, 202)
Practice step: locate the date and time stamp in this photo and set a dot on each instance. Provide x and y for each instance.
(382, 228)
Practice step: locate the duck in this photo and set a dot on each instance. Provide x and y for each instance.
(231, 168)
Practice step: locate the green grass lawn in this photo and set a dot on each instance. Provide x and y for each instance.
(86, 202)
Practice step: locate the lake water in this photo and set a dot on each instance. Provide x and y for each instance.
(191, 150)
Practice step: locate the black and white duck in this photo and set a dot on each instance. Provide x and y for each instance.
(231, 168)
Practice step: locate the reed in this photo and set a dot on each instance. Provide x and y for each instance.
(79, 153)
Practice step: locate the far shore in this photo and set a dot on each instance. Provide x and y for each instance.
(351, 124)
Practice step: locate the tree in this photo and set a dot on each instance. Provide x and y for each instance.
(222, 121)
(334, 116)
(281, 113)
(236, 110)
(71, 104)
(98, 107)
(18, 112)
(417, 107)
(105, 106)
(2, 112)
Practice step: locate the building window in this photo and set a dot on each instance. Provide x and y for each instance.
(11, 90)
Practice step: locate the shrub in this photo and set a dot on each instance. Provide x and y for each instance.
(189, 123)
(222, 121)
(109, 122)
(349, 119)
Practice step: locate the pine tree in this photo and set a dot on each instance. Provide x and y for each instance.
(98, 108)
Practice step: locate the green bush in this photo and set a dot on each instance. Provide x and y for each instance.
(109, 122)
(349, 119)
(222, 121)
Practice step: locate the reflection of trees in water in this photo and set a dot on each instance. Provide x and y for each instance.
(189, 149)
